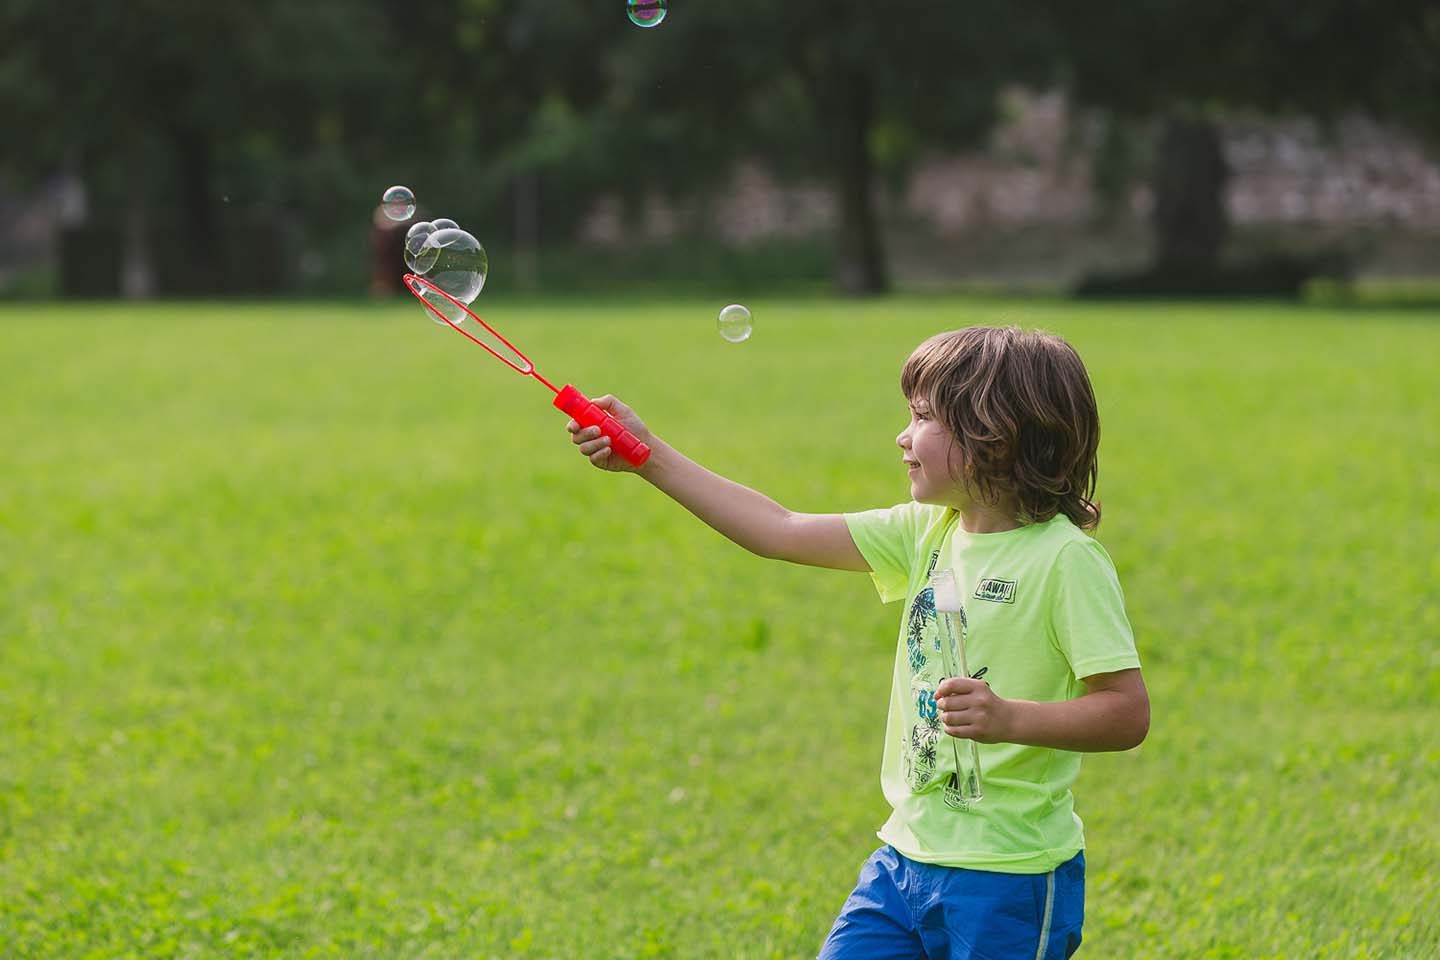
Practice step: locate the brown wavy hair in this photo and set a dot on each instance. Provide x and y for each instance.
(1022, 413)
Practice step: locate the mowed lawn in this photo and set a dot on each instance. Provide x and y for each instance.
(318, 639)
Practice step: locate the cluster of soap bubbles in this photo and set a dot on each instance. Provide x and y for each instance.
(451, 259)
(454, 261)
(438, 250)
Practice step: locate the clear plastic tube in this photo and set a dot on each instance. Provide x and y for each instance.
(964, 786)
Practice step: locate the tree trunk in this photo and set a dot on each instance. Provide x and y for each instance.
(860, 262)
(1190, 221)
(200, 239)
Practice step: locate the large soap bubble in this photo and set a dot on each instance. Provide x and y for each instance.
(457, 265)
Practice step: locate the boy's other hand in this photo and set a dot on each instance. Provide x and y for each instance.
(596, 446)
(969, 709)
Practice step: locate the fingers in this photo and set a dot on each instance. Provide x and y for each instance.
(592, 443)
(964, 731)
(592, 447)
(969, 721)
(967, 700)
(612, 406)
(962, 711)
(583, 435)
(952, 686)
(976, 714)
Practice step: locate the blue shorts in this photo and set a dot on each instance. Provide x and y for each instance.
(901, 908)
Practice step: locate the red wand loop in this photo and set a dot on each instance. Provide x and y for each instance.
(569, 399)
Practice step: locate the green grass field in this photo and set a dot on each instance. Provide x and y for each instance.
(318, 639)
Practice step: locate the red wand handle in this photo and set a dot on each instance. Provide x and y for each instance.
(586, 414)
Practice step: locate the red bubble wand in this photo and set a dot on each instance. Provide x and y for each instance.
(568, 399)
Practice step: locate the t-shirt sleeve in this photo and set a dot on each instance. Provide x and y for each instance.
(886, 539)
(1091, 628)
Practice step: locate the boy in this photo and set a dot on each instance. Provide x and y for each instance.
(1001, 454)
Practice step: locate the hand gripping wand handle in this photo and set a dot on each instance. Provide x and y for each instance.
(585, 413)
(570, 400)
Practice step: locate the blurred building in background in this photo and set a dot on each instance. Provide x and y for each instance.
(1029, 209)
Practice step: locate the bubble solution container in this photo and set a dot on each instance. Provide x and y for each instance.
(963, 787)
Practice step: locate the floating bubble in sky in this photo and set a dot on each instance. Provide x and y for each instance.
(735, 323)
(399, 202)
(646, 13)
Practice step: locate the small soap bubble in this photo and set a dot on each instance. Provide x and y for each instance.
(734, 323)
(418, 257)
(399, 202)
(646, 13)
(443, 224)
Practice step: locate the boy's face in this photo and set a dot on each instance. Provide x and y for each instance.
(926, 447)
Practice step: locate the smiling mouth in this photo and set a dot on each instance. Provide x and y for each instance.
(910, 464)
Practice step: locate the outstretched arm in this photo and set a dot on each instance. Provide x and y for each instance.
(745, 516)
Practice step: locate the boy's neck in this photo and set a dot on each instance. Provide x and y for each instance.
(988, 518)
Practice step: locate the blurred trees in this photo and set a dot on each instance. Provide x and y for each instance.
(846, 92)
(166, 110)
(219, 141)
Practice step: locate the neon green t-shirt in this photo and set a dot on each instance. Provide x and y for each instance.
(1045, 610)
